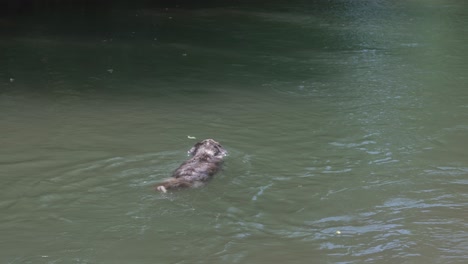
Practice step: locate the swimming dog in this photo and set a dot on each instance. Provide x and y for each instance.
(206, 160)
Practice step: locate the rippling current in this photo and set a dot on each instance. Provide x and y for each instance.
(345, 122)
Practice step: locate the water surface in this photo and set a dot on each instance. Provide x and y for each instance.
(346, 125)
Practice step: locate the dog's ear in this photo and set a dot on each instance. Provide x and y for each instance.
(194, 149)
(220, 151)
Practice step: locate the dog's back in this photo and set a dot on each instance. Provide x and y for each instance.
(207, 157)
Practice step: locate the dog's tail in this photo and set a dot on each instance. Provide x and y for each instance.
(172, 183)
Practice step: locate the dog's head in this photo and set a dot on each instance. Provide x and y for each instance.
(208, 147)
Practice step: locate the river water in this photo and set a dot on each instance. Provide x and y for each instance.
(346, 125)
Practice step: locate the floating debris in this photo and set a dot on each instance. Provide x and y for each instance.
(12, 80)
(110, 70)
(190, 137)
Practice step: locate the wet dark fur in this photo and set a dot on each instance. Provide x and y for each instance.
(207, 157)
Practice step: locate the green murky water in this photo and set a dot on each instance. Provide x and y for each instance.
(346, 123)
